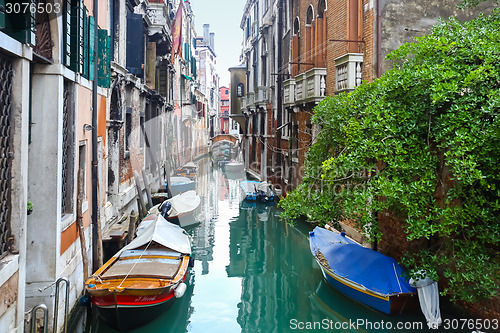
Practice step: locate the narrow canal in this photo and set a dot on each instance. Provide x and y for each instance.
(255, 273)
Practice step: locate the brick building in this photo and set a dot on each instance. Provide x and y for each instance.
(72, 136)
(224, 110)
(296, 52)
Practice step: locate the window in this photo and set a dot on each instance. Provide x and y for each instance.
(82, 171)
(296, 26)
(248, 28)
(143, 130)
(310, 15)
(135, 44)
(321, 8)
(6, 77)
(128, 131)
(67, 176)
(262, 124)
(18, 26)
(78, 47)
(227, 92)
(239, 90)
(75, 23)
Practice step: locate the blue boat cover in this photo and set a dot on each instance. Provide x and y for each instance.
(371, 269)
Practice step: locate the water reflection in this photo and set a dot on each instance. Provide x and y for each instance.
(253, 272)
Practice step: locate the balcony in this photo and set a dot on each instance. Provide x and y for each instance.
(261, 97)
(289, 92)
(348, 70)
(243, 104)
(310, 87)
(251, 99)
(156, 17)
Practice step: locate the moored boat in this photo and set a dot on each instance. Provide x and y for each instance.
(257, 191)
(188, 170)
(178, 206)
(234, 167)
(180, 184)
(144, 278)
(362, 274)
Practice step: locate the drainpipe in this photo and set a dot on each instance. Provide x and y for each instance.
(95, 207)
(379, 39)
(279, 83)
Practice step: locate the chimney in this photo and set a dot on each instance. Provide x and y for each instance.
(212, 41)
(206, 28)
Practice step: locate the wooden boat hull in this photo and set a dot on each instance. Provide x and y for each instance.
(393, 304)
(182, 187)
(133, 311)
(234, 167)
(144, 278)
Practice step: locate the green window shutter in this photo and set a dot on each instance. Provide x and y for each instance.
(75, 36)
(2, 14)
(81, 36)
(91, 48)
(86, 22)
(66, 32)
(20, 26)
(193, 67)
(103, 59)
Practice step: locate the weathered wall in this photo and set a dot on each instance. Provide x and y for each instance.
(403, 20)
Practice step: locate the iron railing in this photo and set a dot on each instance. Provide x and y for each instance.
(5, 153)
(67, 145)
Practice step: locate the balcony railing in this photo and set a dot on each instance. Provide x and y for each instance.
(262, 95)
(251, 99)
(243, 104)
(289, 92)
(157, 18)
(310, 87)
(348, 71)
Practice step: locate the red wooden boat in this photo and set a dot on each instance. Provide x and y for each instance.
(144, 278)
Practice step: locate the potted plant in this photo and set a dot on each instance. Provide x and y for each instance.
(30, 207)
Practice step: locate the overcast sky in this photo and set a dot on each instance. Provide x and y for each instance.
(224, 17)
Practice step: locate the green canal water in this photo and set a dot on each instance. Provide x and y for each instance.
(255, 273)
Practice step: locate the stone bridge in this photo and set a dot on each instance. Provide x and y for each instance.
(226, 137)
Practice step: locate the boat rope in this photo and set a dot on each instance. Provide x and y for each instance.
(136, 262)
(98, 278)
(397, 277)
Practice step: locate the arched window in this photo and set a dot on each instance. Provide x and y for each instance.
(296, 47)
(240, 90)
(321, 8)
(310, 15)
(321, 34)
(296, 26)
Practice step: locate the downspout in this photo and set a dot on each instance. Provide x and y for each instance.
(279, 83)
(96, 258)
(379, 73)
(379, 40)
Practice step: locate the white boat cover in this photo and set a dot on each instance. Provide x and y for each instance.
(189, 165)
(184, 203)
(428, 296)
(162, 232)
(181, 204)
(179, 179)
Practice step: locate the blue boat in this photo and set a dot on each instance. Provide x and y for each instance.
(257, 191)
(362, 274)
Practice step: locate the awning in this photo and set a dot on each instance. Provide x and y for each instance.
(188, 77)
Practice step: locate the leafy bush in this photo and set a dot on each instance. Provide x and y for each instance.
(423, 142)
